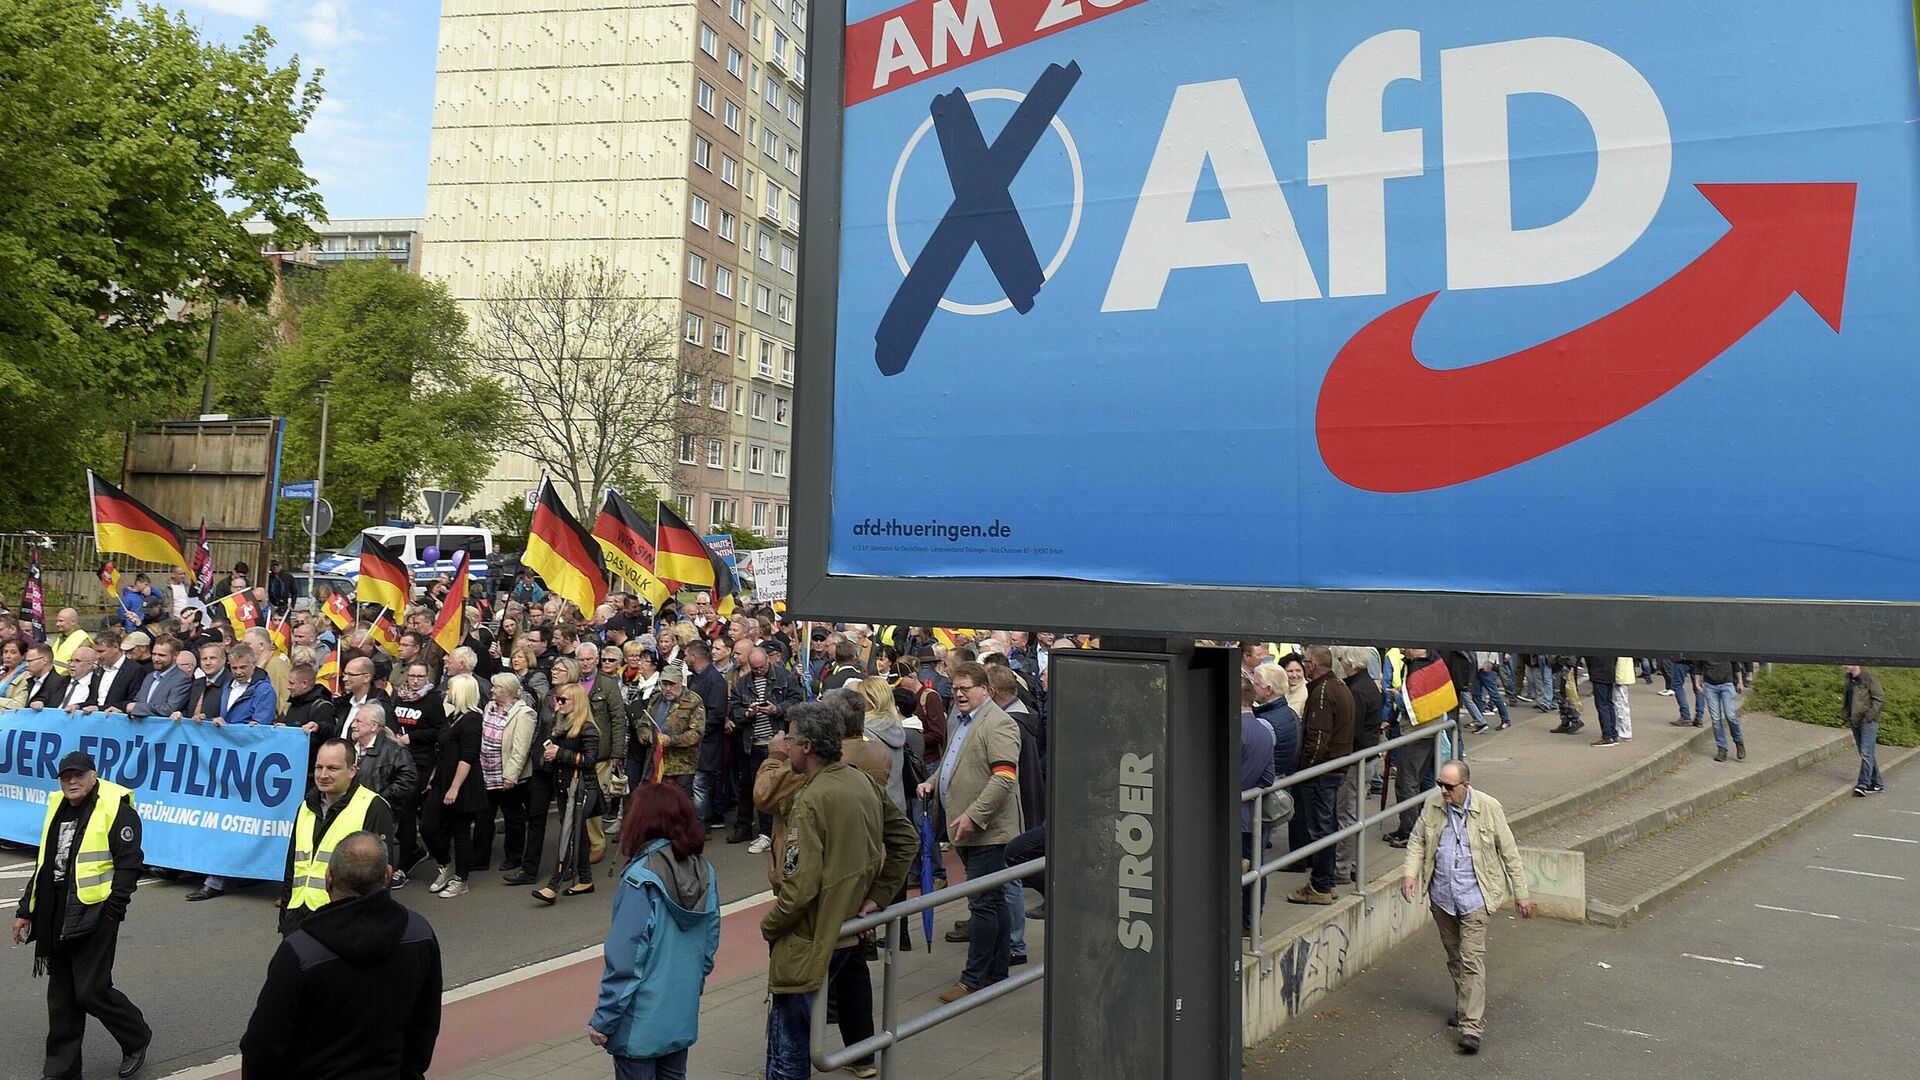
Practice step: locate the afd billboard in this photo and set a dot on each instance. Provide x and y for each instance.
(1513, 298)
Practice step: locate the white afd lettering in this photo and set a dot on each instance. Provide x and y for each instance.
(1210, 121)
(1064, 11)
(979, 22)
(898, 52)
(1358, 157)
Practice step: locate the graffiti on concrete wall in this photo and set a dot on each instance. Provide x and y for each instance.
(1312, 966)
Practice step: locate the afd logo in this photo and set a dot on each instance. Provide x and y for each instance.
(1384, 419)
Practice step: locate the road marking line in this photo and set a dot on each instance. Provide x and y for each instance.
(1894, 839)
(1915, 813)
(1797, 911)
(753, 901)
(1621, 1031)
(216, 1067)
(1858, 873)
(1736, 962)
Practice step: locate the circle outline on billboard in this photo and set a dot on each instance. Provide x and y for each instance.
(1073, 222)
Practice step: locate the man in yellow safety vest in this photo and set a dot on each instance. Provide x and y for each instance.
(88, 866)
(335, 807)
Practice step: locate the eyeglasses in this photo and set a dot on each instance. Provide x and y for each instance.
(1444, 786)
(959, 688)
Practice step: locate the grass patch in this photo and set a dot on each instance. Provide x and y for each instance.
(1817, 694)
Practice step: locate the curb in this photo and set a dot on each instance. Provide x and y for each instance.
(1547, 814)
(1604, 914)
(1621, 835)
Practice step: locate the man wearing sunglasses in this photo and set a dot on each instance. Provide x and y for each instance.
(1461, 855)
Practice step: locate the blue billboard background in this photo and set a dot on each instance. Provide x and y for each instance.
(1178, 445)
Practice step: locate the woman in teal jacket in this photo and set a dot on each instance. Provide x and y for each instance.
(666, 928)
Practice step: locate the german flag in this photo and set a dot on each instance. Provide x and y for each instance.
(329, 673)
(1430, 692)
(450, 627)
(339, 610)
(124, 524)
(384, 579)
(683, 558)
(626, 543)
(242, 612)
(566, 556)
(385, 633)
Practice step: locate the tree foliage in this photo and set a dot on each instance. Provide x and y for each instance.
(407, 407)
(131, 151)
(596, 372)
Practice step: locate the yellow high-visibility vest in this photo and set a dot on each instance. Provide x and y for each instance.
(92, 869)
(310, 861)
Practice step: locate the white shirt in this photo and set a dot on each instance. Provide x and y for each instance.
(179, 597)
(79, 690)
(346, 724)
(103, 681)
(234, 690)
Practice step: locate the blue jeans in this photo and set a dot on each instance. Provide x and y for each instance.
(702, 794)
(1864, 737)
(1680, 681)
(671, 1067)
(1486, 687)
(1721, 706)
(1322, 809)
(990, 945)
(1603, 707)
(1017, 914)
(1547, 679)
(790, 1026)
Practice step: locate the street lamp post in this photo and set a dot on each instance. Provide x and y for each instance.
(319, 485)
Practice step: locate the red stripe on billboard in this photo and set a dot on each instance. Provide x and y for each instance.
(919, 40)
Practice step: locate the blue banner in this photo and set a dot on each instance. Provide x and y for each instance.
(214, 800)
(1513, 296)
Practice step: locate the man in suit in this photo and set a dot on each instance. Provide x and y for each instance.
(978, 787)
(164, 693)
(46, 688)
(83, 674)
(209, 693)
(119, 676)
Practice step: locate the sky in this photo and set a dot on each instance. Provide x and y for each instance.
(366, 146)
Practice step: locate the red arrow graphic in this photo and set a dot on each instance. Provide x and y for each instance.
(1389, 423)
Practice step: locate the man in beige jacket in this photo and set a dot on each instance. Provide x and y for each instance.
(1461, 855)
(978, 785)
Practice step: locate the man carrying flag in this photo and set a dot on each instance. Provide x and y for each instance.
(627, 546)
(564, 554)
(682, 557)
(448, 629)
(242, 613)
(1429, 695)
(386, 634)
(384, 579)
(124, 524)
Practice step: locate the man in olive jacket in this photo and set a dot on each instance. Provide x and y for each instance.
(845, 852)
(978, 785)
(1462, 857)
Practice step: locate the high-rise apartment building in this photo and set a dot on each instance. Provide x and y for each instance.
(662, 136)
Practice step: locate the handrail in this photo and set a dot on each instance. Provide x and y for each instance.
(892, 1032)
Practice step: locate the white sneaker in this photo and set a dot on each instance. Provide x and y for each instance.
(1666, 693)
(760, 844)
(456, 887)
(441, 879)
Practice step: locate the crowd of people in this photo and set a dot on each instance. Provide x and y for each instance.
(848, 755)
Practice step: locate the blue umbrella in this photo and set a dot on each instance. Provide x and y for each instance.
(929, 851)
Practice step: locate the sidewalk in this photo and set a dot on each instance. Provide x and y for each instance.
(1524, 767)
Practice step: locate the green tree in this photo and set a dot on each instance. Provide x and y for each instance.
(407, 409)
(131, 151)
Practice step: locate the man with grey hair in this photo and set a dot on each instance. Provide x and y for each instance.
(361, 948)
(1354, 665)
(1326, 735)
(1462, 856)
(266, 657)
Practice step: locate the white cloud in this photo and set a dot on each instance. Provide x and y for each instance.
(327, 24)
(364, 161)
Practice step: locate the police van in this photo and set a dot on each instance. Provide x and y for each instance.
(411, 542)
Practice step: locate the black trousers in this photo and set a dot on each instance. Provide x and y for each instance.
(79, 985)
(406, 816)
(851, 992)
(539, 800)
(746, 766)
(510, 804)
(449, 835)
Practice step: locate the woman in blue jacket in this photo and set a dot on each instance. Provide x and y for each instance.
(666, 928)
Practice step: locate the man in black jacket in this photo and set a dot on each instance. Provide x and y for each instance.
(1351, 662)
(761, 696)
(90, 827)
(355, 991)
(1600, 672)
(707, 681)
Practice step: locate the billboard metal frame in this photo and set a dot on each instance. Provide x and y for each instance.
(1866, 631)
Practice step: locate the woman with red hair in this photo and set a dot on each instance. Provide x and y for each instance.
(659, 951)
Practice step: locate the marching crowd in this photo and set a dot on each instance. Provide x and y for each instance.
(844, 758)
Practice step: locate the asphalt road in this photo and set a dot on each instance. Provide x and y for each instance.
(1794, 963)
(196, 969)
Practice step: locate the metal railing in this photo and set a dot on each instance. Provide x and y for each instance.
(1255, 875)
(893, 1031)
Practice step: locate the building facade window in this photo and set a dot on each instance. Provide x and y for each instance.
(696, 268)
(714, 450)
(756, 459)
(690, 388)
(709, 41)
(702, 152)
(727, 225)
(759, 405)
(733, 117)
(766, 361)
(687, 450)
(779, 462)
(729, 171)
(734, 60)
(779, 409)
(700, 211)
(787, 257)
(703, 97)
(717, 395)
(784, 309)
(694, 335)
(720, 333)
(759, 517)
(686, 506)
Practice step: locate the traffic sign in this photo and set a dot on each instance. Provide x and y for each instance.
(300, 489)
(440, 504)
(317, 518)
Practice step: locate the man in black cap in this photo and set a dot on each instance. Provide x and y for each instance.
(89, 864)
